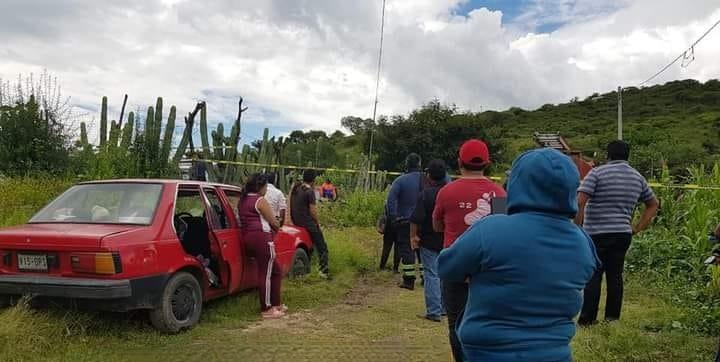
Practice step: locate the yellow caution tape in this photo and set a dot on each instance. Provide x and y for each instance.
(494, 178)
(267, 165)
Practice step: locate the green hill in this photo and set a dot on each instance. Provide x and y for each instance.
(677, 123)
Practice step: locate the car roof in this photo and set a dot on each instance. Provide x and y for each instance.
(158, 181)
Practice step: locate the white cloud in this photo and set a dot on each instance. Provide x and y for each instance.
(309, 63)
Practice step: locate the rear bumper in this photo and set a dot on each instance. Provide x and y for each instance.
(65, 287)
(104, 294)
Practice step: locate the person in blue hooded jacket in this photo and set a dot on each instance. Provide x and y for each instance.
(527, 269)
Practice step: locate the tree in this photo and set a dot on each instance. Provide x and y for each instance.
(433, 131)
(357, 125)
(31, 140)
(46, 91)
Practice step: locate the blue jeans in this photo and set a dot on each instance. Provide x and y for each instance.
(433, 299)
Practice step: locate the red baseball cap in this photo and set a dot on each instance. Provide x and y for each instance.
(475, 153)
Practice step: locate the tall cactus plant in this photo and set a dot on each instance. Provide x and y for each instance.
(222, 149)
(150, 151)
(103, 122)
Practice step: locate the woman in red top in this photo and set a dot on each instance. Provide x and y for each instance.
(258, 224)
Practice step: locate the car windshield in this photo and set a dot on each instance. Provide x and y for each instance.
(111, 203)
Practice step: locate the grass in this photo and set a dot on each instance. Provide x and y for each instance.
(59, 335)
(649, 330)
(22, 197)
(374, 322)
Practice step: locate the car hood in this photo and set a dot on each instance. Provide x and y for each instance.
(51, 235)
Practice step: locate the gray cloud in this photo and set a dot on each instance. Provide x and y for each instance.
(305, 63)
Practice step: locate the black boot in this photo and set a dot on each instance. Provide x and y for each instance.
(408, 283)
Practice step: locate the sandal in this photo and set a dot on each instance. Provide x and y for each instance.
(273, 313)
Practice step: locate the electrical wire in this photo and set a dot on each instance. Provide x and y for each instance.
(684, 55)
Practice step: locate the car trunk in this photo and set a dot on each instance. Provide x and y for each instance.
(47, 248)
(54, 235)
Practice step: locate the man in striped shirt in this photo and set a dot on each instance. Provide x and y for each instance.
(607, 198)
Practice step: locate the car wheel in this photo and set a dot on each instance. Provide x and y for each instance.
(301, 263)
(5, 301)
(181, 304)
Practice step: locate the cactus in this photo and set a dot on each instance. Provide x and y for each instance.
(167, 140)
(83, 135)
(103, 123)
(149, 137)
(125, 151)
(157, 132)
(127, 133)
(114, 136)
(204, 134)
(222, 149)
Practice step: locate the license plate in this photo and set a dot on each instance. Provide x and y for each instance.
(32, 262)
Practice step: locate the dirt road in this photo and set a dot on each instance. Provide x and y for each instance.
(376, 322)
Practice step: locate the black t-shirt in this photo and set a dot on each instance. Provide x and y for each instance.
(300, 207)
(422, 216)
(197, 171)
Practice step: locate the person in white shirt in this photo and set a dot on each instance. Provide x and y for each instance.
(276, 198)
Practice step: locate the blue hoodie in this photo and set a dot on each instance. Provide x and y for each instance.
(527, 269)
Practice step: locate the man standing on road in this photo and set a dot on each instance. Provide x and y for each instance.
(607, 199)
(275, 198)
(428, 241)
(460, 204)
(303, 211)
(401, 202)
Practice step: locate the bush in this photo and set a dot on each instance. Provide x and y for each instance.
(671, 254)
(21, 198)
(355, 209)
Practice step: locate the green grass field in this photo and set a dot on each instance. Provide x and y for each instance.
(360, 316)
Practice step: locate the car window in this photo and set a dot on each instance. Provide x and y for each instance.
(219, 218)
(190, 202)
(234, 197)
(103, 203)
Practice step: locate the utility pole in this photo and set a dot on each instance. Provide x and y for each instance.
(377, 81)
(620, 131)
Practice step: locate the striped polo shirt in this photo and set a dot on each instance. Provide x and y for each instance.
(615, 190)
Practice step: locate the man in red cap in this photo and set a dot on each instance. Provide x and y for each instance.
(460, 204)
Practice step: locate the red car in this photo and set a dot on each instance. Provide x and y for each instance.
(162, 245)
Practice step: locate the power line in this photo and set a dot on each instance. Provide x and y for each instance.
(684, 55)
(377, 79)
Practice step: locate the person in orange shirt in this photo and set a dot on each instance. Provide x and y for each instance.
(328, 190)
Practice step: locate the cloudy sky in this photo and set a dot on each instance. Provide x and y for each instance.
(307, 63)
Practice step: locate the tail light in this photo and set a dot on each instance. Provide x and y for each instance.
(96, 263)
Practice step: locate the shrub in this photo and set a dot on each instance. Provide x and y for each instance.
(22, 197)
(671, 254)
(355, 209)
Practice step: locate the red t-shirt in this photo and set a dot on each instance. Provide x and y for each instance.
(462, 202)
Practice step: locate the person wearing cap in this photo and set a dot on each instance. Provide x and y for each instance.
(400, 205)
(459, 205)
(526, 269)
(427, 241)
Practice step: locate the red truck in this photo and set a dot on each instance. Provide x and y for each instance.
(165, 246)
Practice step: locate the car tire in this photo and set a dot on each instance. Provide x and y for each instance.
(300, 264)
(180, 306)
(5, 301)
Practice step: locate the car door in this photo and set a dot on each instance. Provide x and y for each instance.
(250, 278)
(226, 234)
